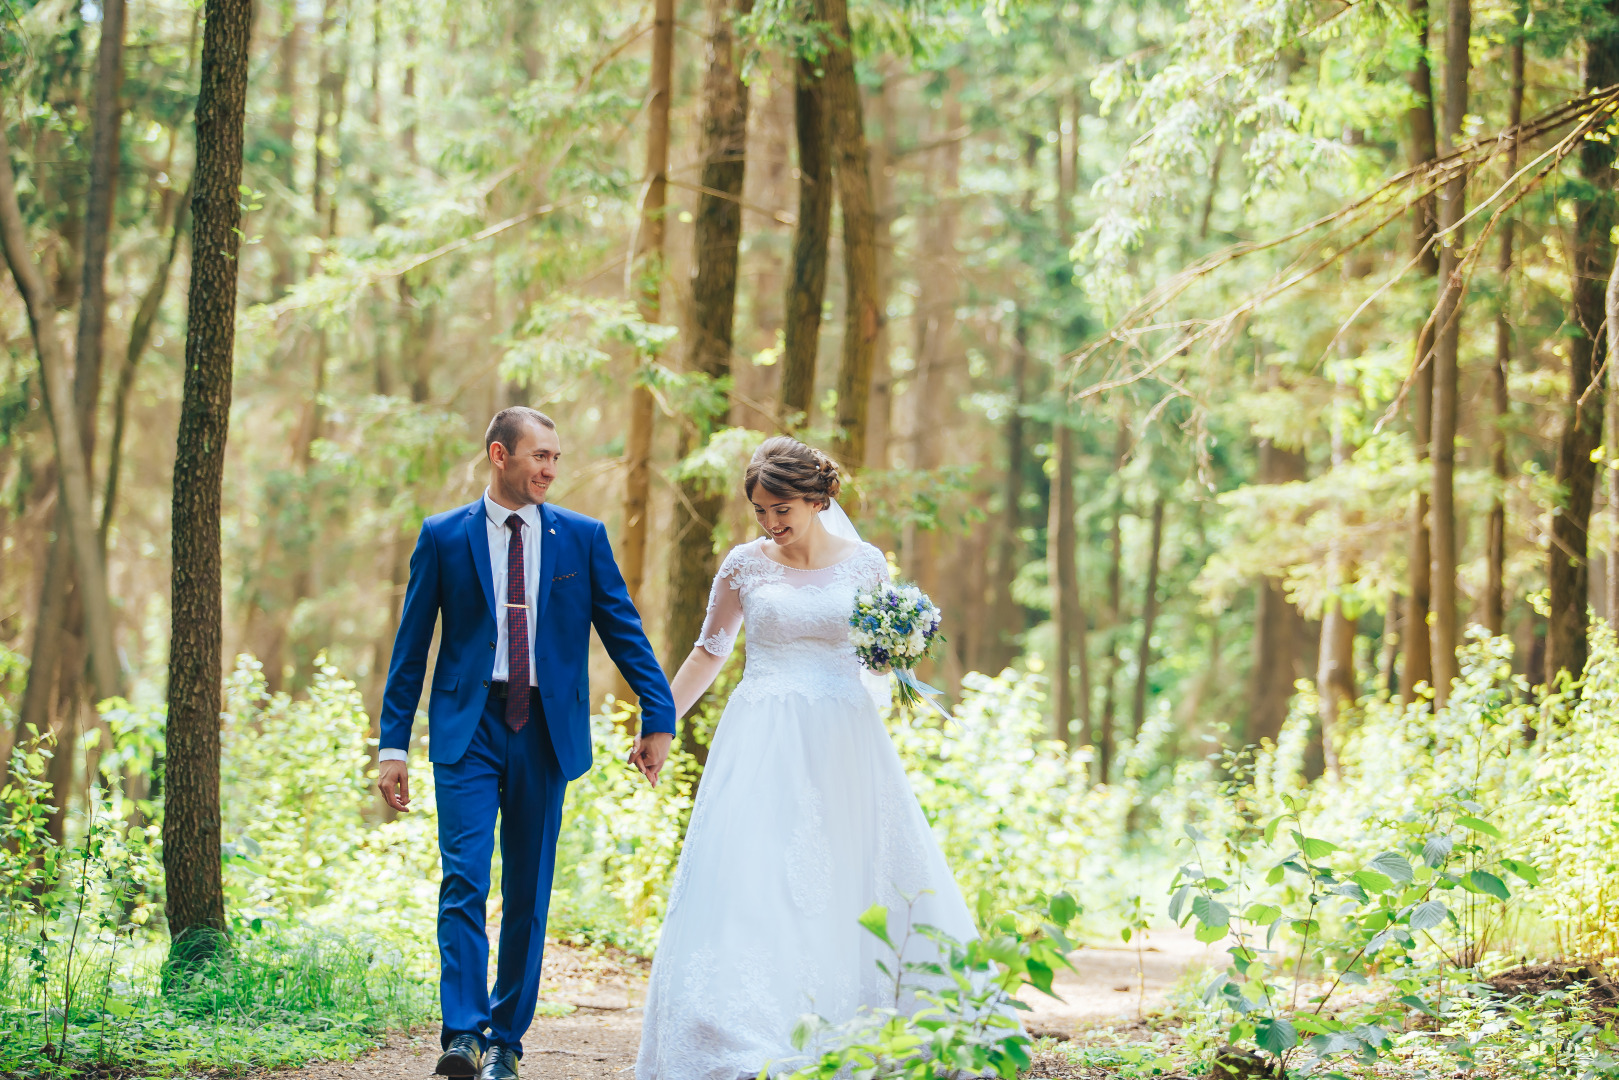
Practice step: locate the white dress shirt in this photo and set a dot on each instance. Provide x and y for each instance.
(500, 538)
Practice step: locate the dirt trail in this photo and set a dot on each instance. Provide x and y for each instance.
(599, 1040)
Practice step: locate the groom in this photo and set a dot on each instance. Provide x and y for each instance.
(518, 585)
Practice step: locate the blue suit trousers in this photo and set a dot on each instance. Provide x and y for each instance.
(514, 775)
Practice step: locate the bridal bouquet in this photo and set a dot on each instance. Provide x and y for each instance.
(892, 628)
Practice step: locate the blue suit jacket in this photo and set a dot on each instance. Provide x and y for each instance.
(580, 586)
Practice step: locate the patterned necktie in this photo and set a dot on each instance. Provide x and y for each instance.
(517, 688)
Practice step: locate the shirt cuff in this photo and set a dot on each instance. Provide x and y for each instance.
(391, 754)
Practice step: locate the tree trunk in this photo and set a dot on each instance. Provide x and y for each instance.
(284, 128)
(1149, 614)
(1612, 440)
(1066, 618)
(191, 842)
(105, 124)
(73, 467)
(140, 333)
(1446, 371)
(880, 411)
(1279, 630)
(1418, 666)
(862, 307)
(1335, 666)
(937, 347)
(1006, 617)
(1495, 587)
(1108, 721)
(1568, 573)
(647, 281)
(806, 288)
(713, 308)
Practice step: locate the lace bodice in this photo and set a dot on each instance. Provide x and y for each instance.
(798, 621)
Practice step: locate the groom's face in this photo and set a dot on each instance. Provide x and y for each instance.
(524, 473)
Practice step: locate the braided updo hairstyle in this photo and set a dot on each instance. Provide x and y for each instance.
(786, 467)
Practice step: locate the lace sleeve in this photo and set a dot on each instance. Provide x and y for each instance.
(724, 609)
(873, 567)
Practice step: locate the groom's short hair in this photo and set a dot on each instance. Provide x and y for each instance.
(509, 424)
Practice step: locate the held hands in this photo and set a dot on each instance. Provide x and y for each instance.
(649, 753)
(393, 780)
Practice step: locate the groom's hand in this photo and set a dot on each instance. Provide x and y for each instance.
(649, 754)
(393, 780)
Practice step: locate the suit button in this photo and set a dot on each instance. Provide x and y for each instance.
(486, 684)
(491, 644)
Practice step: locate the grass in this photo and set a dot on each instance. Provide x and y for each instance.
(284, 997)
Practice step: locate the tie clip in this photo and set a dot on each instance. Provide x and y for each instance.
(517, 605)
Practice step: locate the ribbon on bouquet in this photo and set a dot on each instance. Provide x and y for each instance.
(912, 690)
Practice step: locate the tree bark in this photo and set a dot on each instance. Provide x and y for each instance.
(862, 308)
(1066, 617)
(713, 309)
(1446, 637)
(1418, 666)
(1611, 438)
(140, 333)
(1006, 617)
(1335, 666)
(1568, 573)
(1149, 615)
(73, 468)
(1280, 630)
(806, 288)
(1496, 529)
(884, 153)
(649, 291)
(191, 842)
(1108, 722)
(647, 281)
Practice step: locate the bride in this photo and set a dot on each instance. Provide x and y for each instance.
(804, 817)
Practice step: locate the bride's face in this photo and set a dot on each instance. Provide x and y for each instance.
(785, 520)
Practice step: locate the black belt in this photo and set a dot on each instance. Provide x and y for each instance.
(499, 689)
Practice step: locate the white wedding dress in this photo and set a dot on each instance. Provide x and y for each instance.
(804, 819)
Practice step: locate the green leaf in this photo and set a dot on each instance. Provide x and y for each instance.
(1210, 912)
(1276, 1035)
(1272, 826)
(1040, 977)
(1394, 865)
(1314, 848)
(1436, 849)
(875, 920)
(1480, 825)
(1524, 870)
(1207, 934)
(1276, 874)
(119, 1007)
(1177, 903)
(1416, 1003)
(1429, 914)
(1262, 914)
(1372, 881)
(1482, 881)
(1063, 909)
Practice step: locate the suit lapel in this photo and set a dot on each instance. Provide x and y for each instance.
(548, 559)
(478, 539)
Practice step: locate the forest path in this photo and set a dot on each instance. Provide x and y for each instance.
(599, 1040)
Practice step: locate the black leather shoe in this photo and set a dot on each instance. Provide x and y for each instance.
(461, 1059)
(500, 1064)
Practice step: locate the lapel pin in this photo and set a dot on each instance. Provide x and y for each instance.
(553, 532)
